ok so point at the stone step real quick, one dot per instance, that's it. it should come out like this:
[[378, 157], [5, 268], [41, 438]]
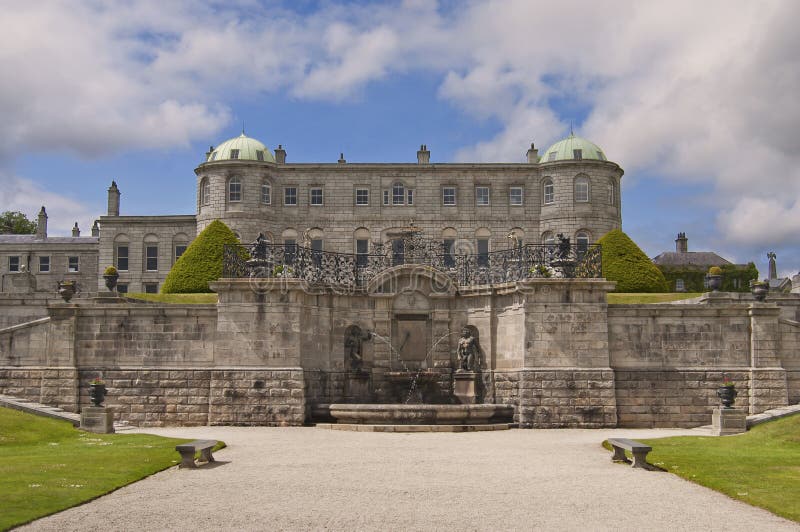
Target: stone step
[[53, 412]]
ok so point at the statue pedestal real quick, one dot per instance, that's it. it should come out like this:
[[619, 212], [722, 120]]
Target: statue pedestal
[[465, 387], [98, 419], [725, 421], [356, 387]]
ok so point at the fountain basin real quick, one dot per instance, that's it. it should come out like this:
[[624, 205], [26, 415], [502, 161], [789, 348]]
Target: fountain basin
[[420, 414]]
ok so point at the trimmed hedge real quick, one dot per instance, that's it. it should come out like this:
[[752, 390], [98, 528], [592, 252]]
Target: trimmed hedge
[[201, 263], [734, 278], [626, 264]]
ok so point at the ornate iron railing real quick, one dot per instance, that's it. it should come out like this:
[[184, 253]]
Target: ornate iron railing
[[324, 268]]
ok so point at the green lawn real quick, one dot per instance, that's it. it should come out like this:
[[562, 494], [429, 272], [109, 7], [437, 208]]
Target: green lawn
[[47, 466], [636, 299], [760, 467], [176, 299]]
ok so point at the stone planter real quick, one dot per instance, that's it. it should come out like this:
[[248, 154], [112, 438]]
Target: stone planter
[[759, 290], [97, 393], [66, 289], [714, 282], [111, 281], [727, 395]]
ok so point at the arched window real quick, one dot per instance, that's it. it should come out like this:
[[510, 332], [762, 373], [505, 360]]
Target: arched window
[[612, 192], [482, 241], [548, 238], [205, 192], [179, 244], [151, 253], [581, 189], [289, 237], [582, 238], [266, 193], [548, 192], [235, 189], [449, 235], [398, 193]]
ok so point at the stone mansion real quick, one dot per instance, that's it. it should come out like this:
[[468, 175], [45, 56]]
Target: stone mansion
[[571, 189]]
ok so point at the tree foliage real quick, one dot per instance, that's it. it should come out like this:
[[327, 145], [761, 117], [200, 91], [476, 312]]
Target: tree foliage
[[735, 278], [625, 263], [16, 223], [201, 263]]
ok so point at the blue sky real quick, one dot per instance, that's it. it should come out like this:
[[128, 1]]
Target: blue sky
[[700, 111]]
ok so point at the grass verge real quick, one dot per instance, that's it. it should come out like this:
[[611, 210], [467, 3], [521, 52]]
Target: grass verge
[[176, 299], [47, 466], [638, 299], [760, 467]]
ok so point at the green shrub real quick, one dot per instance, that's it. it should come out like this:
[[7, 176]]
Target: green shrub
[[626, 264], [735, 278], [201, 263]]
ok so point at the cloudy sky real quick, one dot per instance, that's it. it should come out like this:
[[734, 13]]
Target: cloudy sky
[[697, 101]]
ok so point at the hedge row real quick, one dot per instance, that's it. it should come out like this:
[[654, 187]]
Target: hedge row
[[734, 278]]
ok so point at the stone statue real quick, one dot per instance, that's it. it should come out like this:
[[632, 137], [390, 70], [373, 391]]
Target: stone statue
[[773, 268], [467, 351], [353, 342]]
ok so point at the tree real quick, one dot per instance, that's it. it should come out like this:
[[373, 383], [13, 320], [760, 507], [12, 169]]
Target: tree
[[625, 263], [201, 263], [16, 223]]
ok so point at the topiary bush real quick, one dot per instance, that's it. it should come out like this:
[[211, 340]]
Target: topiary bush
[[626, 264], [201, 263]]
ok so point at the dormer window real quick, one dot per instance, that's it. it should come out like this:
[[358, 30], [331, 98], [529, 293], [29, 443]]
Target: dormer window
[[234, 154], [213, 156], [577, 154], [552, 156], [260, 155], [601, 155]]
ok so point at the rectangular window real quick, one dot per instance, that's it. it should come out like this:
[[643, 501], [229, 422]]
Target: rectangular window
[[234, 154], [259, 155], [515, 195], [151, 258], [44, 264], [290, 196], [449, 196], [316, 196], [482, 195], [552, 156], [122, 258], [410, 195], [122, 288], [72, 264], [483, 252], [577, 154], [398, 194], [386, 197], [362, 250], [316, 251], [289, 247], [266, 194], [179, 249], [150, 288], [13, 264], [449, 252], [235, 190], [362, 196], [582, 191]]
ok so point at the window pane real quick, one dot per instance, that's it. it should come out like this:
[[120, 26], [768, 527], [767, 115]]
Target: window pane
[[72, 265], [122, 258], [398, 194], [316, 196], [410, 196], [235, 190], [266, 194], [13, 264], [449, 196], [362, 196], [482, 195], [259, 155], [549, 192], [151, 288], [234, 154], [205, 190], [290, 196], [577, 154], [515, 195], [122, 288], [483, 252], [612, 193], [552, 156], [44, 264], [449, 249], [151, 258], [289, 246], [179, 249], [362, 249], [582, 190], [386, 197]]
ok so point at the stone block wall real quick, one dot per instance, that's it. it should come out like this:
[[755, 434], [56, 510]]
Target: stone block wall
[[47, 385]]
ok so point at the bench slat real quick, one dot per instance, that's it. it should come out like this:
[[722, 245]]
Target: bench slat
[[630, 445]]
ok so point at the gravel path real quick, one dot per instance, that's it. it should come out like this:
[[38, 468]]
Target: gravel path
[[309, 478]]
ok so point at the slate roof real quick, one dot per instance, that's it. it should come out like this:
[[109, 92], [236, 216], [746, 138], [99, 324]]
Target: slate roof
[[31, 239], [699, 259]]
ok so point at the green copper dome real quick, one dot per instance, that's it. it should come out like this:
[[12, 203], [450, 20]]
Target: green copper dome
[[573, 148], [241, 148]]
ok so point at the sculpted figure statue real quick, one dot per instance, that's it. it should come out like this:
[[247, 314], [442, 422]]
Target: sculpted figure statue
[[467, 351], [353, 343]]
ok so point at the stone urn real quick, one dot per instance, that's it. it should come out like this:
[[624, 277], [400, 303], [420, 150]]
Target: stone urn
[[727, 395], [97, 393], [111, 281], [759, 290], [66, 289], [714, 282]]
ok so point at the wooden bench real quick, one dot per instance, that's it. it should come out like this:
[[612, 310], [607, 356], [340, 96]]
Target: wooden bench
[[638, 450], [187, 451]]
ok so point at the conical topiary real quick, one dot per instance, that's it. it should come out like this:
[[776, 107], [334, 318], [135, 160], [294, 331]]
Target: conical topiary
[[201, 263], [626, 264]]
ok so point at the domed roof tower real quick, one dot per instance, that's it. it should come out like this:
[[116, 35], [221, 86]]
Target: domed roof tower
[[573, 148], [242, 148]]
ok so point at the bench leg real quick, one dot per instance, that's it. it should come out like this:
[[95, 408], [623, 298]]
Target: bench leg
[[187, 459], [206, 456], [640, 459], [619, 455]]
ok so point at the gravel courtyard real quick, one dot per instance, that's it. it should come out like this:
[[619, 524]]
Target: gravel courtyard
[[310, 478]]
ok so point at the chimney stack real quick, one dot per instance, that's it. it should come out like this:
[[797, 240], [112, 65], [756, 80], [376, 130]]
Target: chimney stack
[[341, 158], [423, 155], [41, 226], [280, 155], [681, 243], [533, 155], [76, 232], [95, 229], [113, 199]]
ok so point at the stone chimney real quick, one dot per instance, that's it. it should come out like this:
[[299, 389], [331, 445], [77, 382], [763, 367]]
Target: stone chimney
[[41, 227], [95, 229], [533, 155], [113, 199], [280, 155], [341, 158], [423, 155], [76, 232], [681, 243]]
